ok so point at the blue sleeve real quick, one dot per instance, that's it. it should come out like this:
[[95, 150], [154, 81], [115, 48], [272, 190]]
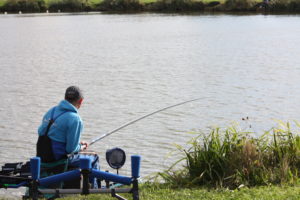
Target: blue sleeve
[[73, 135]]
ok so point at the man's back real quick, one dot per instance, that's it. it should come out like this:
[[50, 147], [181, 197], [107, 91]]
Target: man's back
[[60, 131], [66, 130]]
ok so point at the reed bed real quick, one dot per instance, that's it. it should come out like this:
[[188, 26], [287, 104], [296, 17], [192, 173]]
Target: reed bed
[[233, 158]]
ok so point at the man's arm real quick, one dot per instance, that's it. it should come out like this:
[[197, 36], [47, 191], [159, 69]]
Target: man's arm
[[73, 135]]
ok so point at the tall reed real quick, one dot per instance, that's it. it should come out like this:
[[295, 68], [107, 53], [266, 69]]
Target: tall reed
[[230, 158]]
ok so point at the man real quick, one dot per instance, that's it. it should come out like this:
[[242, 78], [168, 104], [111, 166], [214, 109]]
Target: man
[[60, 132]]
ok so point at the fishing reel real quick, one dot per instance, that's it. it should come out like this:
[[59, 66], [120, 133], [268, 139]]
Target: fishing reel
[[115, 158]]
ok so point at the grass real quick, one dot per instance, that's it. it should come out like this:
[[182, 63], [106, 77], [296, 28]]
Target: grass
[[94, 2], [160, 192], [156, 192], [2, 2], [263, 168], [209, 1], [147, 1], [47, 2], [231, 158]]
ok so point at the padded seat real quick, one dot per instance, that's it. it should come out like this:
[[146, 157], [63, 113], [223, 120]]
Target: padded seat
[[57, 167], [49, 169]]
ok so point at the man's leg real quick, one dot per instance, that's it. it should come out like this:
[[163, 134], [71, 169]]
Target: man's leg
[[74, 161]]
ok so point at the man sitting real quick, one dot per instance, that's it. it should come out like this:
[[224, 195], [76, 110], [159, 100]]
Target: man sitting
[[60, 132]]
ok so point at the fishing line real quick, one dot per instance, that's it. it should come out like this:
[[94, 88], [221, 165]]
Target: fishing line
[[140, 118]]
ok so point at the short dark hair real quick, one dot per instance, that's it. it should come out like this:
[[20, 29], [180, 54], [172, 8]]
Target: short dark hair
[[73, 94]]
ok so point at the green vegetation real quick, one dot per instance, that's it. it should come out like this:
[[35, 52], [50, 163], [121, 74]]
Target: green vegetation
[[160, 192], [94, 3], [23, 5], [120, 5], [231, 158], [230, 164], [67, 6], [273, 6], [2, 2], [177, 5]]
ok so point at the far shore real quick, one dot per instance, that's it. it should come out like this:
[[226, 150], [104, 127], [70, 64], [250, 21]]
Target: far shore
[[153, 6], [203, 13]]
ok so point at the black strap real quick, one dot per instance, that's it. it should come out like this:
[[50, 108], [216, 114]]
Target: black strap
[[44, 144], [52, 119]]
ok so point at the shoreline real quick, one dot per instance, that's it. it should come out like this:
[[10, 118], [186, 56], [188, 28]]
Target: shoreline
[[216, 13], [231, 7]]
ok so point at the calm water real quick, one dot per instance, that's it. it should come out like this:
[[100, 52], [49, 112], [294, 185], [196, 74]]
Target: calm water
[[130, 65]]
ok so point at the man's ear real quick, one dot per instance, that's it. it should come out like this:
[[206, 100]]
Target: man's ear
[[80, 102]]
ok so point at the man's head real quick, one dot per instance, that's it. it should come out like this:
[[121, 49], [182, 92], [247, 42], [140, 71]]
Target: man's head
[[74, 96]]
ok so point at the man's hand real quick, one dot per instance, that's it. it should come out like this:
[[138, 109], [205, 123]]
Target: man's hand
[[84, 145]]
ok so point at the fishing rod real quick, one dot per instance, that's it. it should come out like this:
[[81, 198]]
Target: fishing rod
[[138, 119]]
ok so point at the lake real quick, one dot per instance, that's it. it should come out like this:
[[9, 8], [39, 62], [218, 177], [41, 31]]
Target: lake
[[131, 65]]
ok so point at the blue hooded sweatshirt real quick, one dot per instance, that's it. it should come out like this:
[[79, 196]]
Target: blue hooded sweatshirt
[[65, 131]]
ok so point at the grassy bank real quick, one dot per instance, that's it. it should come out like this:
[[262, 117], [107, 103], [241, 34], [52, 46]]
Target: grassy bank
[[156, 192], [231, 163], [2, 2], [231, 157], [273, 6], [165, 193]]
